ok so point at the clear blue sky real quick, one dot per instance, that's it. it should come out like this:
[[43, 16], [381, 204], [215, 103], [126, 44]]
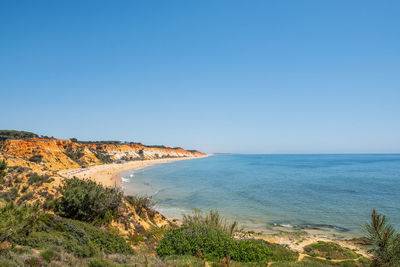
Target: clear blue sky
[[219, 76]]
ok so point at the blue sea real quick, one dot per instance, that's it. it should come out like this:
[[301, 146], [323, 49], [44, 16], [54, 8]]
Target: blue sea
[[310, 191]]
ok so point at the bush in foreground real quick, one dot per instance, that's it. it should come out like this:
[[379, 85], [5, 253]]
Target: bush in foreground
[[88, 201], [214, 243], [27, 226]]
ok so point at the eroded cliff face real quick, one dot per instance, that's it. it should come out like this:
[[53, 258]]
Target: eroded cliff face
[[56, 154]]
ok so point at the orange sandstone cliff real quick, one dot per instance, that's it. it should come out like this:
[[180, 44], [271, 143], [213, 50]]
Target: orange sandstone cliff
[[57, 154]]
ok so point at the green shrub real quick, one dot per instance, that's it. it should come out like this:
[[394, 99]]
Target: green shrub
[[211, 219], [37, 180], [75, 154], [13, 194], [16, 221], [24, 188], [19, 169], [21, 250], [25, 225], [102, 155], [135, 239], [49, 255], [329, 250], [96, 262], [86, 200], [36, 158], [140, 203], [3, 167], [212, 242], [107, 242], [49, 204], [27, 196], [312, 262], [253, 250], [215, 243]]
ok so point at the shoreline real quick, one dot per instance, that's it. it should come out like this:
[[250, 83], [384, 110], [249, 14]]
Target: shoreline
[[110, 174]]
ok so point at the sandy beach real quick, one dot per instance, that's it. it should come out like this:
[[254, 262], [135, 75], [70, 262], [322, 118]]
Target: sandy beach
[[109, 174]]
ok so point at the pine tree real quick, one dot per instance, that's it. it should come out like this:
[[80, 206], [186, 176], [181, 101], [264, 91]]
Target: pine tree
[[385, 241]]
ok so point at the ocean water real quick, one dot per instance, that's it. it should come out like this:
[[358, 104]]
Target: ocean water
[[312, 191]]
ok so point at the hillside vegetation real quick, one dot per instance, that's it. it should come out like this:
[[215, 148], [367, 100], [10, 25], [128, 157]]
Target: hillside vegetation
[[46, 220]]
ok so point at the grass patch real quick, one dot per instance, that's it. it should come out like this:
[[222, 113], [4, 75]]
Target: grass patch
[[210, 219], [330, 250]]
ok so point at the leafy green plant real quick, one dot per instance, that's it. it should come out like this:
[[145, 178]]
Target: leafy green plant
[[24, 188], [140, 203], [36, 158], [135, 239], [96, 262], [102, 155], [86, 200], [48, 255], [37, 180], [329, 250], [75, 154], [3, 167], [211, 219], [13, 194], [26, 226], [16, 221], [214, 243], [253, 250], [385, 241], [25, 197]]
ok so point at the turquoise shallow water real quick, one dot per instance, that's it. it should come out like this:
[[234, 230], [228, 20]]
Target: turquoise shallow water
[[313, 191]]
